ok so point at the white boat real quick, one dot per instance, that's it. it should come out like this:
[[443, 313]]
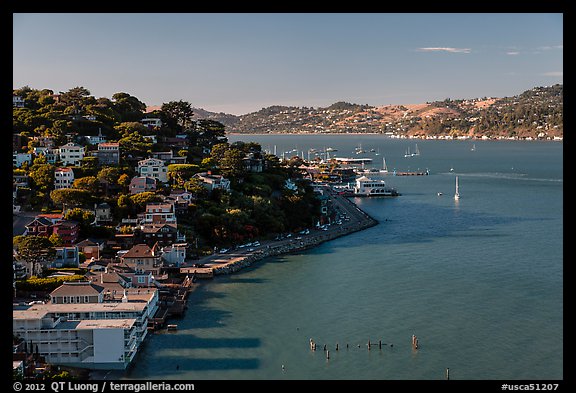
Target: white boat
[[384, 167], [416, 152], [457, 194], [369, 187]]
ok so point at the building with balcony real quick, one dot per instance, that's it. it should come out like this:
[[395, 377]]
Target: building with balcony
[[87, 331]]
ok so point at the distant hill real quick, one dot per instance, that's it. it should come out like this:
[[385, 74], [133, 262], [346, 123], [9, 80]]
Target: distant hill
[[230, 121], [536, 113]]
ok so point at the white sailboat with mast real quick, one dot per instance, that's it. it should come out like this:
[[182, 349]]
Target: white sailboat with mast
[[384, 167], [457, 193]]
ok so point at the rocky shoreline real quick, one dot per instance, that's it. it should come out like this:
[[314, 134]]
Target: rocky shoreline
[[296, 245]]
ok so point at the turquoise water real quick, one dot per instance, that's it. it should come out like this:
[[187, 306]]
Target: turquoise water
[[479, 281]]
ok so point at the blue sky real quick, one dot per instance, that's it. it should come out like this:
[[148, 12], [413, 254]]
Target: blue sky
[[240, 63]]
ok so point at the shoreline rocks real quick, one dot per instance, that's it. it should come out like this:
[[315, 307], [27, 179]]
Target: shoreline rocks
[[294, 246]]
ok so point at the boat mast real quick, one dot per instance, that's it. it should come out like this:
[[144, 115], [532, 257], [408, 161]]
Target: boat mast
[[457, 194]]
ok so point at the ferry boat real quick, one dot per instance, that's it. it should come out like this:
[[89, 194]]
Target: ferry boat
[[369, 187]]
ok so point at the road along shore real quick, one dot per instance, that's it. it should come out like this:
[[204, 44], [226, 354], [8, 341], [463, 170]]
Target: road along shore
[[234, 261]]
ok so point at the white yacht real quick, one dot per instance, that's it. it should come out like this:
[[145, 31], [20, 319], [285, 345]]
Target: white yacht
[[369, 187]]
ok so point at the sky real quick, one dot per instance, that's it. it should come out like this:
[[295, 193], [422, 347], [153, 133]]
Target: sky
[[239, 63]]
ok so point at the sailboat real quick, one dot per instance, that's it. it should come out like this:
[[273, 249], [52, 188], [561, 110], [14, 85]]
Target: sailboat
[[416, 152], [456, 194], [407, 154], [384, 167], [473, 148]]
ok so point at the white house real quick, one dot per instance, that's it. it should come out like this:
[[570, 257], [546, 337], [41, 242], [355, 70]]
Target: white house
[[159, 212], [212, 182], [174, 254], [63, 178], [151, 122], [153, 167], [71, 154], [19, 158]]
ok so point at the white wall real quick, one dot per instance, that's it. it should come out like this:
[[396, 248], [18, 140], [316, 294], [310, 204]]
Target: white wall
[[108, 345]]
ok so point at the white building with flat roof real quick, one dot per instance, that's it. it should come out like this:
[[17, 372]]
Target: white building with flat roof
[[101, 335]]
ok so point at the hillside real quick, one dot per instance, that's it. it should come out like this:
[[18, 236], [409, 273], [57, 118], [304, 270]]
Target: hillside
[[536, 113]]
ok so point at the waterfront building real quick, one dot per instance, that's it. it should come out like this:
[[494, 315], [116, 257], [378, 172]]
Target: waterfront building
[[368, 187], [174, 254], [88, 331], [142, 258]]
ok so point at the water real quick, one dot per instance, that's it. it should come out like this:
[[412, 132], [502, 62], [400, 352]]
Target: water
[[478, 280]]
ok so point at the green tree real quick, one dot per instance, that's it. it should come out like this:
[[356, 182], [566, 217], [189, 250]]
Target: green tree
[[196, 187], [126, 128], [178, 115], [218, 151], [128, 107], [70, 197], [37, 250], [82, 216], [42, 177], [124, 181], [142, 198], [134, 145], [209, 133], [56, 240], [88, 183], [232, 164]]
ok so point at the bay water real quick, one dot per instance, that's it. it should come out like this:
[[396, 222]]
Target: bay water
[[479, 281]]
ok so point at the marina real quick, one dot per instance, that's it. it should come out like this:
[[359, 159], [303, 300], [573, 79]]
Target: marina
[[397, 279]]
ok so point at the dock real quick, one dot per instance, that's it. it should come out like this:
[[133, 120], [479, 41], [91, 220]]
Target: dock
[[417, 173], [172, 301], [198, 272]]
